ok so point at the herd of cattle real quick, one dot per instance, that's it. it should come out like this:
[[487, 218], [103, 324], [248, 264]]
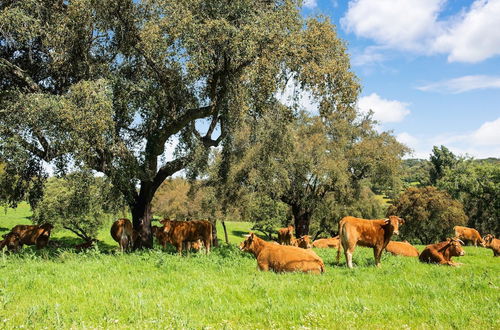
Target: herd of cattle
[[288, 253]]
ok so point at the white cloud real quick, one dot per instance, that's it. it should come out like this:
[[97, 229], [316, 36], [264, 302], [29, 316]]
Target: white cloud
[[310, 3], [462, 84], [385, 111], [488, 134], [472, 35], [370, 55]]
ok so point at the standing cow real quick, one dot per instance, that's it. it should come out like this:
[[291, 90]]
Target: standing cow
[[37, 235], [282, 258], [370, 233], [285, 235], [123, 232], [468, 235], [182, 234], [490, 242], [441, 253]]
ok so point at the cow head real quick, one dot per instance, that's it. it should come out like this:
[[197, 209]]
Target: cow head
[[248, 244], [394, 222], [167, 225], [11, 241], [488, 239], [304, 242], [455, 247]]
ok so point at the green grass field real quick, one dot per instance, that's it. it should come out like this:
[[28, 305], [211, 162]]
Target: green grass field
[[58, 288]]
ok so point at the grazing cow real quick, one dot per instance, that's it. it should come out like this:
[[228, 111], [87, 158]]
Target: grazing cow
[[182, 233], [38, 235], [282, 258], [86, 245], [402, 249], [370, 233], [12, 241], [303, 242], [123, 232], [324, 243], [285, 235], [160, 235], [441, 253], [493, 243], [468, 235]]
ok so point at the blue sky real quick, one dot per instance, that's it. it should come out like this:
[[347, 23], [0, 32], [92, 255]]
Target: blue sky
[[430, 69]]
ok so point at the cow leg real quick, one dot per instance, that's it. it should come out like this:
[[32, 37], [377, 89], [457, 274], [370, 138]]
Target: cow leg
[[377, 254], [179, 248], [188, 248], [263, 266], [207, 246]]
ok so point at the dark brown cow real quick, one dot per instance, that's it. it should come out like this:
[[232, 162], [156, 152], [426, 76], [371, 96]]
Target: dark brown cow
[[402, 249], [11, 241], [325, 243], [182, 233], [86, 245], [123, 232], [492, 243], [38, 235], [303, 242], [441, 253], [160, 235], [369, 233], [285, 235], [468, 235], [282, 258]]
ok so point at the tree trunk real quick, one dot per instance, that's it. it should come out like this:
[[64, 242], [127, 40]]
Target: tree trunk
[[215, 240], [141, 219], [225, 232], [302, 220]]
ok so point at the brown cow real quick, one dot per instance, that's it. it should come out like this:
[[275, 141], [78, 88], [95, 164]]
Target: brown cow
[[370, 233], [285, 235], [160, 235], [12, 241], [123, 232], [182, 233], [468, 235], [38, 235], [401, 249], [282, 258], [441, 253], [303, 242], [493, 243], [324, 243]]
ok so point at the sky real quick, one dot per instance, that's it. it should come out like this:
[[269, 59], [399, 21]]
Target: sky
[[429, 69]]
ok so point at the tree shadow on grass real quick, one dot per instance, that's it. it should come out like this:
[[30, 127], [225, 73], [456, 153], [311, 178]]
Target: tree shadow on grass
[[239, 233]]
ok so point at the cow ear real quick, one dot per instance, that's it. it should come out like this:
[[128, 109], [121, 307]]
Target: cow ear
[[401, 221], [386, 221]]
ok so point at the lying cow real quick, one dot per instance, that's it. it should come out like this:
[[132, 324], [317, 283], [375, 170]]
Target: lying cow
[[492, 243], [282, 258], [468, 235], [38, 235], [123, 232], [325, 243], [441, 253], [285, 235], [402, 249], [181, 234], [303, 242], [11, 241], [86, 245], [369, 233]]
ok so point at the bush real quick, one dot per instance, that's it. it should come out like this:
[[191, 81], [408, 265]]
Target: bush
[[430, 214]]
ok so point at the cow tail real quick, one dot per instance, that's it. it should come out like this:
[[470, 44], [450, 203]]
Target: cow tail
[[210, 237], [124, 241], [340, 242]]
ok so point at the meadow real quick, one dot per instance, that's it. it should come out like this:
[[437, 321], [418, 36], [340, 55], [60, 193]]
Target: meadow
[[102, 288]]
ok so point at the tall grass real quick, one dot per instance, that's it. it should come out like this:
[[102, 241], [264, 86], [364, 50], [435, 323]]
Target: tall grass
[[58, 288]]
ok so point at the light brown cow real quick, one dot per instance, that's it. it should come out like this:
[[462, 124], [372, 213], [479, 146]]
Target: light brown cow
[[303, 242], [441, 253], [401, 249], [492, 243], [123, 232], [282, 258], [468, 235], [324, 243], [38, 235], [370, 233], [285, 235], [182, 233], [11, 241]]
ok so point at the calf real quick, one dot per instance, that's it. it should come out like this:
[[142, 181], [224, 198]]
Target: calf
[[369, 233], [182, 233], [324, 243], [11, 241], [492, 243], [468, 235], [441, 253], [303, 242], [282, 258], [401, 249], [285, 235], [123, 232], [38, 235]]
